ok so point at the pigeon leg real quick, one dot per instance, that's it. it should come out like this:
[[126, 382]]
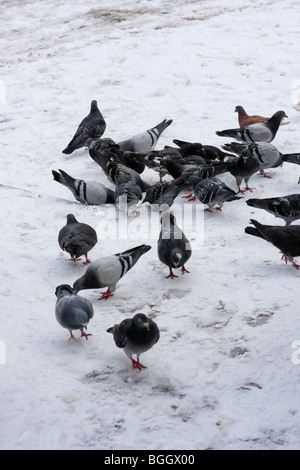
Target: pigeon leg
[[183, 270], [71, 335], [74, 259], [284, 257], [297, 266], [85, 335], [87, 261], [106, 295], [171, 275], [137, 364], [265, 175], [219, 208]]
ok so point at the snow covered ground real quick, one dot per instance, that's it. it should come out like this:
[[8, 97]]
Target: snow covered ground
[[225, 372]]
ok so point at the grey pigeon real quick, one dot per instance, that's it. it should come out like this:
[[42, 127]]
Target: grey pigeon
[[259, 132], [145, 141], [135, 336], [72, 311], [173, 247], [285, 238], [77, 239], [92, 126], [88, 192], [212, 191], [266, 153], [128, 195], [284, 207], [165, 193], [107, 271]]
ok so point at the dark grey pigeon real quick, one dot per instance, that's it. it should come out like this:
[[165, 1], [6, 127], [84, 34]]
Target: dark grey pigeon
[[165, 193], [284, 207], [135, 336], [173, 247], [92, 126], [259, 132], [145, 141], [107, 271], [106, 150], [212, 191], [243, 167], [118, 174], [72, 311], [77, 239], [128, 195], [209, 152], [285, 238], [87, 192]]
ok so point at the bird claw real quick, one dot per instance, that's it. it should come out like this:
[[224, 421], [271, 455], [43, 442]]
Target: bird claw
[[183, 270], [137, 364], [106, 295], [85, 335]]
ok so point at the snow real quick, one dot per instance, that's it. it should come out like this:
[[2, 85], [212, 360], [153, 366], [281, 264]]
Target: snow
[[224, 374]]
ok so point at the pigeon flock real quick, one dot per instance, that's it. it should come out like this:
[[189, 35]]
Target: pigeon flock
[[189, 166]]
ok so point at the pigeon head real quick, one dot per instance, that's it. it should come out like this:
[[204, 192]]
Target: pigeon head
[[94, 105], [87, 281], [239, 109], [71, 219], [141, 321], [63, 289]]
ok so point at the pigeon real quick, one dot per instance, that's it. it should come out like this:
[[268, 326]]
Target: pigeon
[[285, 238], [266, 153], [77, 239], [72, 311], [173, 247], [212, 191], [118, 173], [92, 126], [203, 170], [135, 336], [260, 132], [242, 168], [284, 207], [246, 120], [145, 141], [88, 192], [104, 150], [209, 152], [128, 195], [164, 194], [107, 271]]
